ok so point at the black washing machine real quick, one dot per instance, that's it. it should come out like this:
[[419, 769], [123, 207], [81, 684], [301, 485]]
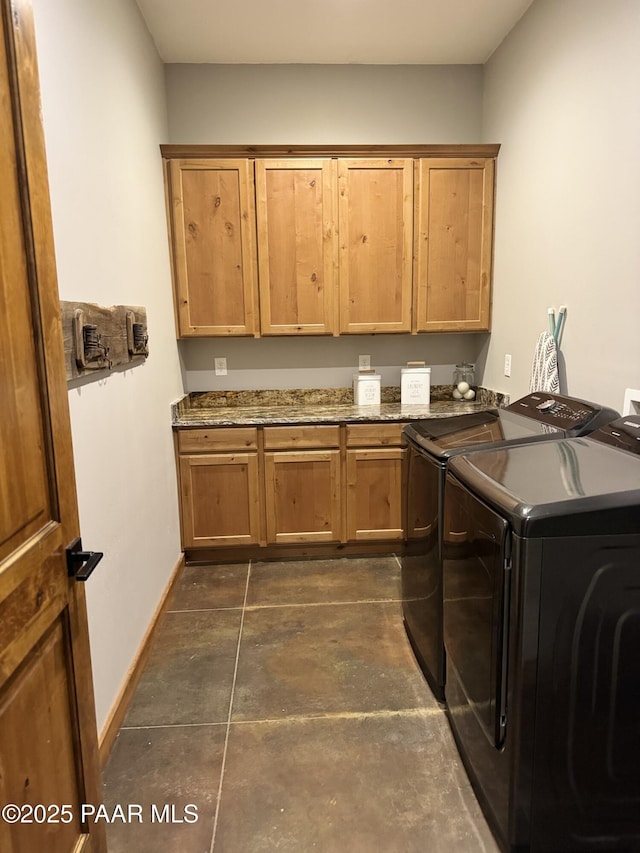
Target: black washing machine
[[541, 556], [431, 444]]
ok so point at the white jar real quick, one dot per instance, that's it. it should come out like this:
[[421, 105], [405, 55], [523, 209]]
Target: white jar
[[415, 386], [366, 389]]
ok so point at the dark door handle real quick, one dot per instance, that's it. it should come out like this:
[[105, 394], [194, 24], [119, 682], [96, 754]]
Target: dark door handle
[[80, 564]]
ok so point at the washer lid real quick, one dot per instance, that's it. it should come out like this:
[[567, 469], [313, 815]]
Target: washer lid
[[455, 434], [566, 487]]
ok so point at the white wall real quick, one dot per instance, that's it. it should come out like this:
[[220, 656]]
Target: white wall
[[324, 105], [104, 114], [561, 96]]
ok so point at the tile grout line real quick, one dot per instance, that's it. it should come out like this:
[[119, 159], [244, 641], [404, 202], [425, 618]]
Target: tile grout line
[[233, 688], [205, 609]]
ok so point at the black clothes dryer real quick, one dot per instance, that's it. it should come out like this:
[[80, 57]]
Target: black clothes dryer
[[542, 634], [431, 444]]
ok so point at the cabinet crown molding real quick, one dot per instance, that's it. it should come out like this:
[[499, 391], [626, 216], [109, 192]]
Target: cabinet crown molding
[[173, 151]]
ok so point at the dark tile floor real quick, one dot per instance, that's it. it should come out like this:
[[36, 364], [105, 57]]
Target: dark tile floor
[[283, 702]]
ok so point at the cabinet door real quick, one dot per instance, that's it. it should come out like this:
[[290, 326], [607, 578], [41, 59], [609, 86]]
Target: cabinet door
[[213, 246], [220, 499], [374, 494], [375, 202], [297, 246], [303, 496], [454, 237]]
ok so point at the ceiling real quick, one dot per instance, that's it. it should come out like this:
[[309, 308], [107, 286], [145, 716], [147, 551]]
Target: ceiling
[[377, 32]]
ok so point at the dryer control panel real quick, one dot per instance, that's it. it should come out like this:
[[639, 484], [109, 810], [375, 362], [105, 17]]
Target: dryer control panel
[[566, 414], [623, 433]]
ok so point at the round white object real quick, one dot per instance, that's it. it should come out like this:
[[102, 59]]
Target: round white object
[[470, 394], [456, 394], [463, 387]]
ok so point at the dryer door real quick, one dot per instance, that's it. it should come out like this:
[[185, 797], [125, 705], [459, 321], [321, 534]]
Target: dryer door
[[476, 605]]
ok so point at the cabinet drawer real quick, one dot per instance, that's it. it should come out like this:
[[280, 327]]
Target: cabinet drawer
[[217, 438], [290, 437], [375, 435]]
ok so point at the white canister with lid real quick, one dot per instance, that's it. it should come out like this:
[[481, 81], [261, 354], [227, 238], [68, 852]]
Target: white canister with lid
[[366, 389], [415, 384]]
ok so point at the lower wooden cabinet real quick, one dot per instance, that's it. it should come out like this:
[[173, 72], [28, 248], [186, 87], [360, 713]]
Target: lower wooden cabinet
[[375, 476], [374, 494], [302, 483], [302, 496], [219, 478], [220, 499], [298, 485]]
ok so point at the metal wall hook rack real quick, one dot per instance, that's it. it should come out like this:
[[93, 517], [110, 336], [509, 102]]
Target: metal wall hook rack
[[97, 338], [90, 352], [137, 336]]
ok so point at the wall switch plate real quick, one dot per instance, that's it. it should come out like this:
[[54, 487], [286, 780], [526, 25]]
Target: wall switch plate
[[220, 366], [507, 364], [364, 362]]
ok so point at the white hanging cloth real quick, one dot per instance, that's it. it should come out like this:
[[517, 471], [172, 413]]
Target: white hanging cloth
[[544, 370]]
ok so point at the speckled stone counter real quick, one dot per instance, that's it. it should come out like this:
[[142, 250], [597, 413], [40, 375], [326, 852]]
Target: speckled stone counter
[[316, 406]]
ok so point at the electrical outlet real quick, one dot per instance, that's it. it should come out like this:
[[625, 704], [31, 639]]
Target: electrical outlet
[[507, 364], [364, 362], [220, 366]]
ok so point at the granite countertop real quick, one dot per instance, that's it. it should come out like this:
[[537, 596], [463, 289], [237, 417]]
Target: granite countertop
[[316, 406]]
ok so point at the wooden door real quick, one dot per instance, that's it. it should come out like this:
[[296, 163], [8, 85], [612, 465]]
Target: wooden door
[[220, 499], [374, 493], [212, 239], [297, 246], [454, 239], [303, 496], [48, 742], [375, 202]]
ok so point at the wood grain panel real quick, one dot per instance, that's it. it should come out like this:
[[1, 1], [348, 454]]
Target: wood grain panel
[[220, 499], [24, 493], [44, 750], [374, 494], [297, 244], [303, 496], [454, 215], [374, 435], [376, 232], [172, 151], [217, 439], [213, 234], [293, 437]]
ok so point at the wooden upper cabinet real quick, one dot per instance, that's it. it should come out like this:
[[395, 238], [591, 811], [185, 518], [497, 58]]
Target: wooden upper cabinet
[[212, 229], [375, 210], [454, 236], [297, 246], [273, 240]]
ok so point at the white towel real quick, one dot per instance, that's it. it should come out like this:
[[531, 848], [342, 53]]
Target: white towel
[[544, 370]]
